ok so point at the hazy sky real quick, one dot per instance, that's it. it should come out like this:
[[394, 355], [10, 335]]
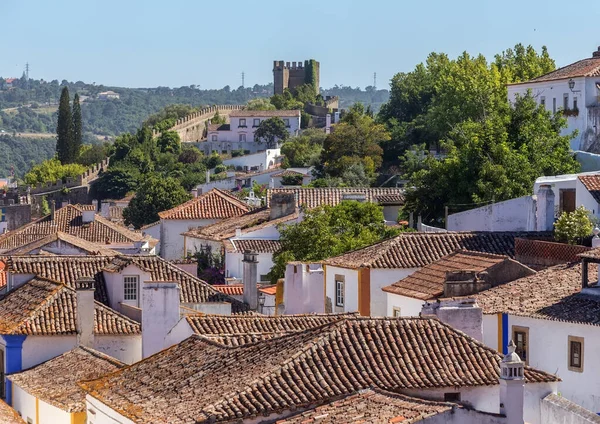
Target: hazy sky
[[209, 43]]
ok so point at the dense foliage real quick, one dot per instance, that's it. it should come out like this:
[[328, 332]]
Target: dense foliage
[[19, 154], [271, 132], [328, 231], [304, 149], [52, 170], [64, 129], [573, 227]]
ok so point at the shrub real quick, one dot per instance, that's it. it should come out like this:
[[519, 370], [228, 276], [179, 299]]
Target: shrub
[[572, 227]]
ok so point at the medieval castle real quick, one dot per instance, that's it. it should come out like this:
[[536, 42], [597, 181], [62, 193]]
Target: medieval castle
[[290, 77]]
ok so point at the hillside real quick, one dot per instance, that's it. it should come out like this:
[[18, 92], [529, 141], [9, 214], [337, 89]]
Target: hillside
[[21, 153]]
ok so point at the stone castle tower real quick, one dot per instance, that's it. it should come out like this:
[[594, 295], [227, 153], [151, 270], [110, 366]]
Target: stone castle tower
[[286, 75]]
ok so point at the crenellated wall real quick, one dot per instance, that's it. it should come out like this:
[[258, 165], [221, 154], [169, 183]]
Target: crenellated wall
[[191, 128], [84, 179]]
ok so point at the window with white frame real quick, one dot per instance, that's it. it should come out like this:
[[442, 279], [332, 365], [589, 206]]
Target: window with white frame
[[130, 288], [214, 137], [339, 290], [256, 123], [242, 122], [242, 137]]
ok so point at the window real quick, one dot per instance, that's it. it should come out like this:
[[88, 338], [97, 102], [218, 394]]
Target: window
[[339, 290], [256, 123], [242, 122], [575, 354], [452, 397], [521, 339], [543, 101], [566, 101], [554, 105], [396, 312], [214, 137], [242, 137], [575, 103], [286, 122], [130, 288], [264, 278]]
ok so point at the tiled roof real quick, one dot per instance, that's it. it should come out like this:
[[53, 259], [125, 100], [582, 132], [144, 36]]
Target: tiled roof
[[251, 221], [219, 127], [9, 415], [289, 173], [312, 197], [390, 199], [269, 290], [230, 289], [2, 274], [538, 254], [115, 213], [590, 254], [552, 294], [67, 269], [589, 67], [428, 282], [244, 113], [592, 182], [55, 381], [87, 246], [42, 307], [415, 250], [202, 381], [371, 406], [258, 245], [69, 220], [215, 204]]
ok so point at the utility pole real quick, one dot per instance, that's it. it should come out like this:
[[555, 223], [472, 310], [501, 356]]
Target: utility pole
[[243, 79], [27, 75], [375, 81]]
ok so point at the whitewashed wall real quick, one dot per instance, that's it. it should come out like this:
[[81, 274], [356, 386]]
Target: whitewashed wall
[[379, 279], [262, 160], [23, 403], [127, 349], [171, 239], [303, 291], [178, 333], [114, 284], [234, 267], [154, 232], [409, 307], [38, 349], [351, 288], [99, 413], [511, 215], [584, 198]]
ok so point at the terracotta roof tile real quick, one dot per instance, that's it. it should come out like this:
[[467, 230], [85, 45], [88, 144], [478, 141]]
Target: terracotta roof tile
[[269, 290], [592, 182], [428, 282], [55, 381], [415, 250], [9, 415], [219, 127], [289, 173], [539, 254], [202, 381], [44, 307], [590, 254], [230, 289], [258, 245], [313, 197], [215, 204], [552, 294], [67, 269], [87, 246], [589, 67], [244, 113], [251, 221], [371, 406], [69, 220]]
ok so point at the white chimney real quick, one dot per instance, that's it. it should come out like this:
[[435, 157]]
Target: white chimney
[[84, 289], [95, 204], [88, 216], [328, 123], [52, 209], [160, 313], [250, 278], [194, 192], [64, 203], [596, 239], [238, 232], [545, 208], [463, 314], [105, 209], [208, 175], [512, 386]]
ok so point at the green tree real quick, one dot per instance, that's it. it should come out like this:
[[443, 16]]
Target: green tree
[[218, 119], [92, 154], [154, 195], [271, 131], [44, 207], [329, 231], [260, 104], [64, 129], [169, 142], [573, 227], [117, 182], [52, 170], [304, 149], [77, 140]]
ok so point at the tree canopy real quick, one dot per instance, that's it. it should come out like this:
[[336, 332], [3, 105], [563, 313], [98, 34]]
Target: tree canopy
[[271, 131], [64, 129]]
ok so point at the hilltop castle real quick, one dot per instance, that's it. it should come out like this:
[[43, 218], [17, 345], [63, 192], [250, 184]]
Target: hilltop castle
[[286, 76]]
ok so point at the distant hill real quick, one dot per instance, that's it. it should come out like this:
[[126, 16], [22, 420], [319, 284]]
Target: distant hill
[[22, 153]]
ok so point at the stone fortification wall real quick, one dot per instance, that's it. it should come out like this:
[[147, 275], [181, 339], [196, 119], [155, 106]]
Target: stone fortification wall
[[84, 179]]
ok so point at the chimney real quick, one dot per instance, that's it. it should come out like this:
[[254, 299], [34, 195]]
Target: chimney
[[95, 204], [596, 239], [105, 209], [160, 313], [250, 278], [463, 314], [238, 232], [52, 209], [282, 204], [64, 203], [512, 386], [463, 283], [208, 175], [596, 53], [194, 192], [545, 208], [328, 123], [84, 288], [88, 216]]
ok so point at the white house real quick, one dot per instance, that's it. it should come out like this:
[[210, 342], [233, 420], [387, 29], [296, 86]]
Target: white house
[[574, 91], [354, 281], [206, 209], [239, 133], [458, 274], [49, 392], [261, 161], [554, 323], [302, 177], [108, 95], [220, 379]]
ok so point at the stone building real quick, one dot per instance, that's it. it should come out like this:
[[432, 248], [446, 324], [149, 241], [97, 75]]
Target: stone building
[[290, 76]]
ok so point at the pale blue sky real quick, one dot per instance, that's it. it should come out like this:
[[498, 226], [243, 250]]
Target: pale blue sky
[[209, 43]]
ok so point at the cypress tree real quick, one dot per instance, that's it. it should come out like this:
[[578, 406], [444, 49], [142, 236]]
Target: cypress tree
[[77, 130], [64, 128]]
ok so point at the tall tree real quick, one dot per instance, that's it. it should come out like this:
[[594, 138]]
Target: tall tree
[[64, 129], [77, 129], [271, 131]]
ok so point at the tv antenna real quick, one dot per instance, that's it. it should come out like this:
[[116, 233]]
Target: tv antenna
[[243, 75]]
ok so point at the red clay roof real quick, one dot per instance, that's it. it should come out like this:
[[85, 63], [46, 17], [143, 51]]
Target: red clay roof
[[589, 67], [428, 282], [538, 254], [87, 246], [230, 289], [202, 381], [258, 245], [310, 197], [244, 113], [9, 415], [592, 183], [215, 204], [270, 290]]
